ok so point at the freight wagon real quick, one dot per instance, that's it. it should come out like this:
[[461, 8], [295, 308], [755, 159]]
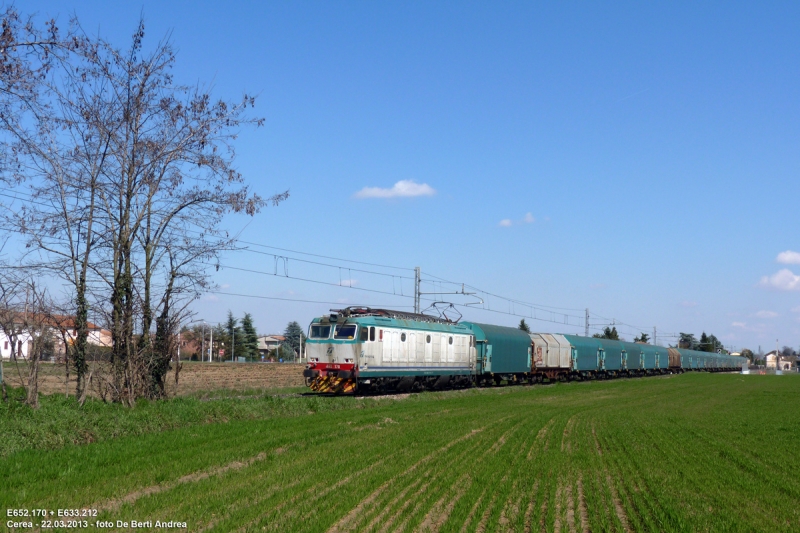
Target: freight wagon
[[376, 349]]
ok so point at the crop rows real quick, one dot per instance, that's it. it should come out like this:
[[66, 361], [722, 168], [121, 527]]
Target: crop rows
[[680, 453]]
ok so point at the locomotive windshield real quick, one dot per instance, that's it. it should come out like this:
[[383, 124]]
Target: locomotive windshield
[[320, 332], [345, 331]]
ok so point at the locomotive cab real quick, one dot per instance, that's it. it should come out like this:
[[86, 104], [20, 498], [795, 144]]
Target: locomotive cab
[[332, 348]]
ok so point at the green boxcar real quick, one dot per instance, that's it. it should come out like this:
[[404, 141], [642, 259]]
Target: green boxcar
[[586, 353], [501, 350]]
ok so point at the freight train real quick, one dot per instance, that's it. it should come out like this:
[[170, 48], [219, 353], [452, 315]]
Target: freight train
[[363, 349]]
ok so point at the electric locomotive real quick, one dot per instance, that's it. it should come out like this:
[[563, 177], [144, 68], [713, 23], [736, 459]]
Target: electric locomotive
[[378, 349]]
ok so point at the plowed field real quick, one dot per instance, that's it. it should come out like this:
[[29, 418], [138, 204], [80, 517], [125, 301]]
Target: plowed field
[[681, 453], [194, 377]]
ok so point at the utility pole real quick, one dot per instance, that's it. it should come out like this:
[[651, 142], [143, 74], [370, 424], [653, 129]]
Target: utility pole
[[586, 328], [210, 343], [203, 343], [416, 289], [654, 335], [233, 344], [300, 351]]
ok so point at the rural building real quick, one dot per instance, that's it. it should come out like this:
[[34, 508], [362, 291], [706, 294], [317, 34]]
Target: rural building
[[61, 327], [777, 361], [268, 343]]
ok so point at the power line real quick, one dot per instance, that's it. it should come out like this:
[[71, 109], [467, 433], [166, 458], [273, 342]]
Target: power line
[[310, 280], [519, 302], [324, 256], [329, 265], [260, 297]]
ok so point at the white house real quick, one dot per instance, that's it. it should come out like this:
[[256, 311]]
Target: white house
[[61, 327], [775, 360]]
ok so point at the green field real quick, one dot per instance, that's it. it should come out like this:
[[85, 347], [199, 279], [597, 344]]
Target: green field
[[695, 452]]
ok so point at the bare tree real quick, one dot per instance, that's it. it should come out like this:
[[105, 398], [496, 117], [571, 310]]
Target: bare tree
[[130, 176], [169, 181], [54, 147], [26, 320]]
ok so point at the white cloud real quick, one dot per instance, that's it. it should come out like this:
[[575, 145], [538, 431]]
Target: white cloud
[[225, 286], [688, 303], [788, 258], [349, 282], [210, 298], [782, 280], [527, 219], [739, 325], [796, 309], [766, 314], [403, 188]]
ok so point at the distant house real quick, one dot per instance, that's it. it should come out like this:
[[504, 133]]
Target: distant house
[[777, 361], [62, 328], [268, 343]]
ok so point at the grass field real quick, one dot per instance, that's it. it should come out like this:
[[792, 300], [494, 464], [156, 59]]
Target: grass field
[[695, 452]]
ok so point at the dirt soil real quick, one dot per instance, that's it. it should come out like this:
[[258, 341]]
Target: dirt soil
[[194, 377]]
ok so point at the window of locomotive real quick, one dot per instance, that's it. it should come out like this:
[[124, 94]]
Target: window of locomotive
[[345, 331], [403, 337], [451, 340], [364, 334], [319, 331], [428, 339], [372, 333]]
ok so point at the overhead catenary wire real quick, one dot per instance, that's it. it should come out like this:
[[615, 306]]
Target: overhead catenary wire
[[513, 304], [287, 276], [262, 297]]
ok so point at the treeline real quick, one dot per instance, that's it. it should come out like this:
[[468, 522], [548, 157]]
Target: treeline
[[239, 338], [706, 343], [118, 179]]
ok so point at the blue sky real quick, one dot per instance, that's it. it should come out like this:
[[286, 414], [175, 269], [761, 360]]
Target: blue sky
[[637, 159]]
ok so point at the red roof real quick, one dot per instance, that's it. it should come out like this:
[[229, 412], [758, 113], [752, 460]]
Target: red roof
[[55, 321]]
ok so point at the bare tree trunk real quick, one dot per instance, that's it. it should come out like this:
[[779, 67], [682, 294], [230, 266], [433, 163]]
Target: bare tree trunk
[[66, 374], [82, 398], [81, 334], [3, 381], [178, 368], [33, 375]]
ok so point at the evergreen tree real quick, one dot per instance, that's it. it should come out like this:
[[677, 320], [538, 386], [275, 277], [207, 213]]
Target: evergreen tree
[[236, 339], [294, 337], [643, 338], [222, 341], [705, 344], [716, 345], [249, 337], [608, 333], [524, 326]]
